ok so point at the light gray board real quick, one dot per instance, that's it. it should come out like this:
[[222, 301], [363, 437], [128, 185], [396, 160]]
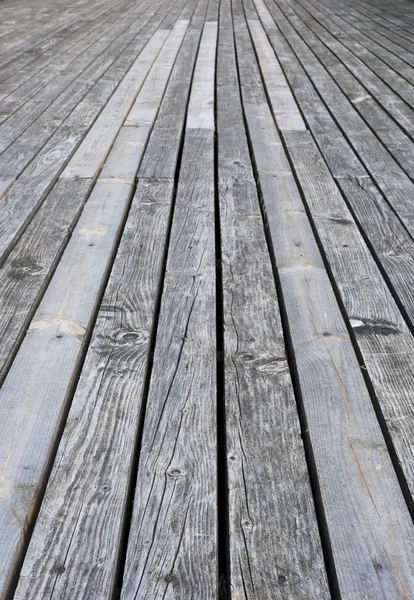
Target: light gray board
[[366, 49], [387, 235], [27, 87], [26, 273], [80, 522], [275, 549], [172, 546], [119, 345], [378, 79], [385, 342], [161, 157], [397, 186], [25, 197], [88, 159], [372, 98], [46, 367], [336, 402]]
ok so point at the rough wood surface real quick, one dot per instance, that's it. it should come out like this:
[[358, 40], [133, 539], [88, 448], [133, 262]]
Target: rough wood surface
[[76, 541], [328, 368], [44, 368], [206, 299], [25, 197], [272, 522], [385, 342], [172, 548], [125, 318]]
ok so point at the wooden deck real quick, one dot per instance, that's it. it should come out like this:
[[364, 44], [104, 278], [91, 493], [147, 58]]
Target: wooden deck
[[206, 299]]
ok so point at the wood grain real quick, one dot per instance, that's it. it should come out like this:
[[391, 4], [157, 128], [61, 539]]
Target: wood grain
[[172, 547], [106, 404], [273, 528]]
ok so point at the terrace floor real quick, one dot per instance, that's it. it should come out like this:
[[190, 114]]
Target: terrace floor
[[206, 299]]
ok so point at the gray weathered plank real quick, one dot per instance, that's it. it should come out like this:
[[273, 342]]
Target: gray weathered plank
[[275, 550], [26, 273], [90, 525], [44, 367], [91, 154], [363, 522], [385, 342], [25, 197], [172, 547]]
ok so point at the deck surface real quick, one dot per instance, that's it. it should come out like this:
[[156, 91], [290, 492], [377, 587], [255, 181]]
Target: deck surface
[[206, 299]]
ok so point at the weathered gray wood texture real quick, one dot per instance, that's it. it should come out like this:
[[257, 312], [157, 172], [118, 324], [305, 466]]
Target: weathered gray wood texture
[[150, 199], [172, 548], [126, 156], [275, 550]]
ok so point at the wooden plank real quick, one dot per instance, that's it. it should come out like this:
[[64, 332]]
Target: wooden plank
[[49, 357], [173, 537], [366, 515], [125, 154], [79, 527], [386, 173], [104, 410], [385, 342], [286, 108], [48, 104], [275, 551], [160, 159], [387, 236], [91, 154], [26, 273], [326, 46], [25, 197], [366, 49], [19, 84]]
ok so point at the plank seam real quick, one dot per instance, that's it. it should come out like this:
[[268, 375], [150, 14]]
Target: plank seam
[[290, 354], [138, 440], [345, 135], [222, 472]]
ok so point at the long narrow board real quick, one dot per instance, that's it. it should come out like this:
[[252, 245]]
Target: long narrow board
[[172, 548], [275, 550], [26, 272], [83, 511], [386, 343], [49, 357], [285, 107], [24, 198], [91, 154], [16, 89], [372, 78], [384, 339], [392, 243], [387, 115], [48, 104], [389, 177], [370, 530], [388, 66]]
